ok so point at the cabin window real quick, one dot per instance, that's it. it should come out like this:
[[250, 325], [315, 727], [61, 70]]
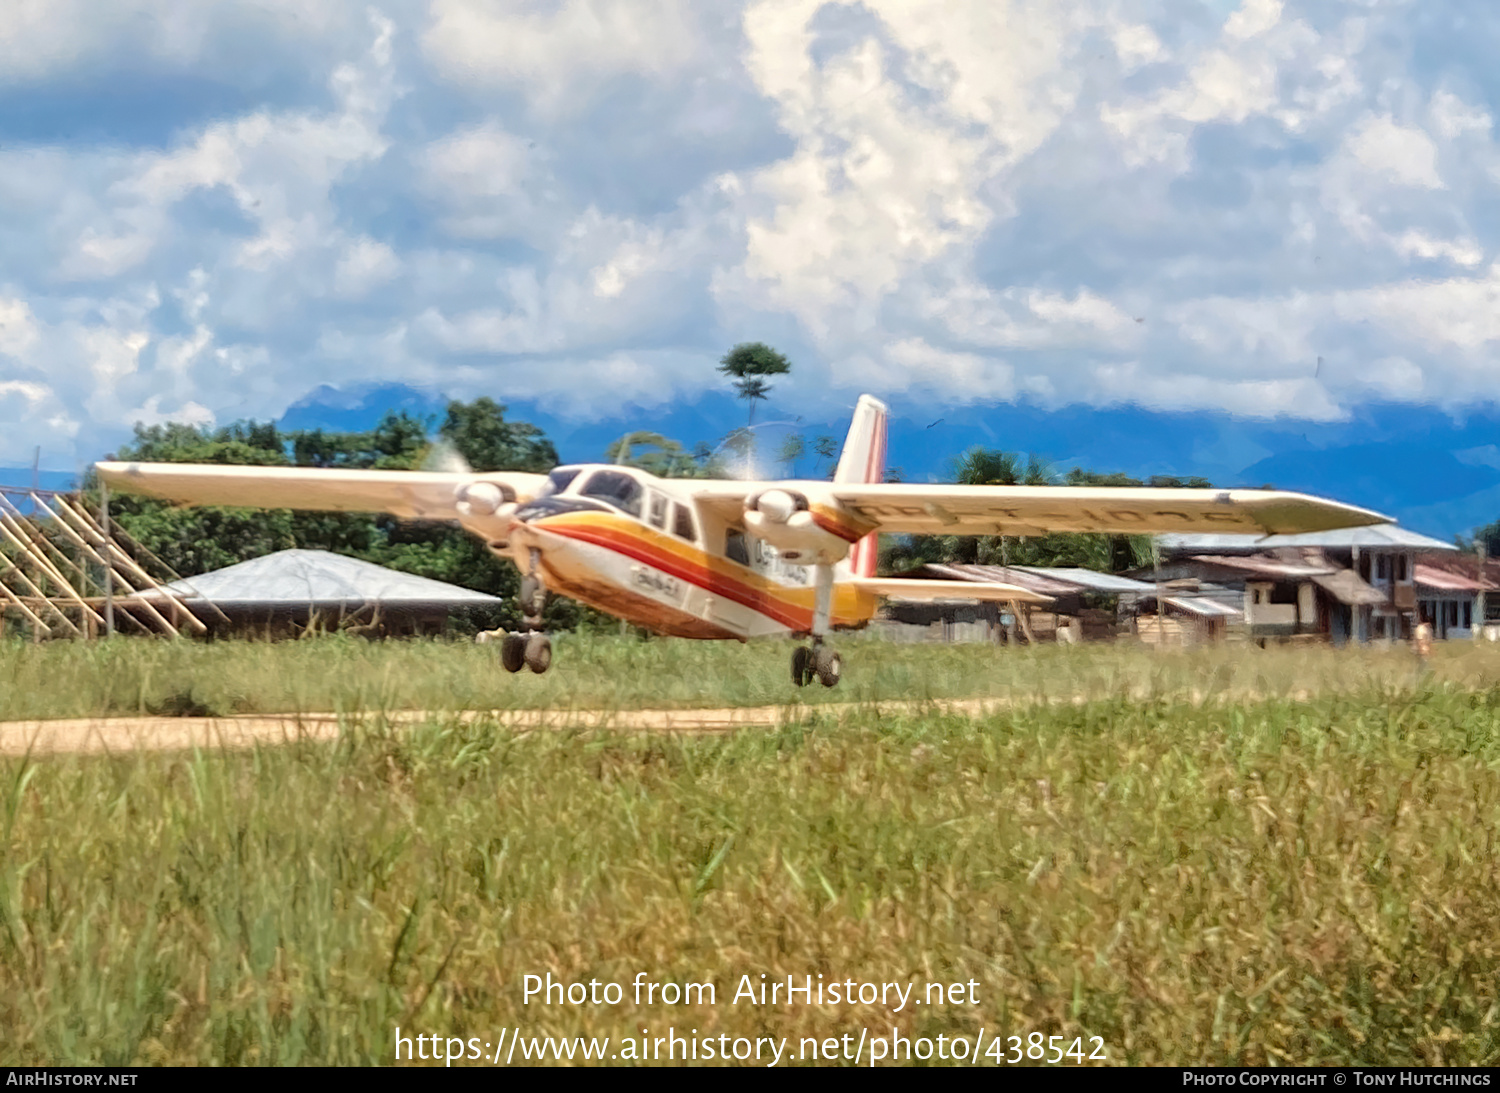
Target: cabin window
[[1403, 574], [1283, 593], [1382, 567], [1468, 615], [658, 510], [614, 488], [683, 525], [734, 546]]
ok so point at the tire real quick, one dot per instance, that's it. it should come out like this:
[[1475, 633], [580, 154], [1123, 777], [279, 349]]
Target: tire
[[828, 665], [538, 653], [513, 652], [802, 670]]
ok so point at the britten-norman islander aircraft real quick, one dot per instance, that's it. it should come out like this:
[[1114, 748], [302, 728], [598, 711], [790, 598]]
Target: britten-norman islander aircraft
[[698, 558]]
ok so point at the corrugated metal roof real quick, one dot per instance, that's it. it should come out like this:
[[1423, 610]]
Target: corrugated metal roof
[[1086, 578], [1375, 536], [1203, 606], [1346, 587], [1270, 568], [299, 578], [1440, 580]]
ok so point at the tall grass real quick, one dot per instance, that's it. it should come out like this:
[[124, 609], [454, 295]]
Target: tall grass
[[342, 674], [1265, 882]]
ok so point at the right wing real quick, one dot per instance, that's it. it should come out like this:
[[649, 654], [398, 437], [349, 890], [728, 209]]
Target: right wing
[[427, 495]]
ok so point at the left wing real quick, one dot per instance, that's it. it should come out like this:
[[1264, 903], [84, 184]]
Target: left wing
[[409, 494], [852, 510]]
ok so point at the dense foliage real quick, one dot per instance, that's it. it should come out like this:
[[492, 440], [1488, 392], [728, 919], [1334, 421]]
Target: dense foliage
[[199, 539]]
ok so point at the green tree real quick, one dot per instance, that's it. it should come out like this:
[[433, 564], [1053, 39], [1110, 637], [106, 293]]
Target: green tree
[[1489, 536], [826, 447], [197, 539], [750, 363], [653, 452], [792, 449], [480, 433]]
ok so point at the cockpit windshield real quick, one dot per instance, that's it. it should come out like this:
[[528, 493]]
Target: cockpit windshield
[[558, 480], [614, 488]]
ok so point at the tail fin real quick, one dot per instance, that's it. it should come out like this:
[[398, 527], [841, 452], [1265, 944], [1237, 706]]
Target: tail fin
[[863, 460]]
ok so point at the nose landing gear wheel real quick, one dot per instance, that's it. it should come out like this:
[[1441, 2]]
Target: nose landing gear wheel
[[827, 665], [538, 653], [513, 652], [802, 666]]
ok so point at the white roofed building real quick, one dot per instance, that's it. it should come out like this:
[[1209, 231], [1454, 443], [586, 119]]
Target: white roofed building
[[290, 590]]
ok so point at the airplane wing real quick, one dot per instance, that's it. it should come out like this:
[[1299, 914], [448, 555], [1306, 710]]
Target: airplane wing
[[906, 508], [408, 494], [926, 591]]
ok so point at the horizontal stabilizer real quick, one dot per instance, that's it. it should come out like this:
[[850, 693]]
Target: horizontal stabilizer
[[920, 591]]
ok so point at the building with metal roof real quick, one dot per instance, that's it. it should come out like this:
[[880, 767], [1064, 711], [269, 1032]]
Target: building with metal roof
[[291, 588], [1089, 579]]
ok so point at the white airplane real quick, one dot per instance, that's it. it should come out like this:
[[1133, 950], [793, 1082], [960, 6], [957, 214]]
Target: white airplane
[[728, 559]]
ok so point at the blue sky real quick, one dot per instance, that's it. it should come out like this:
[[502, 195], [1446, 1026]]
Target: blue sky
[[1252, 223]]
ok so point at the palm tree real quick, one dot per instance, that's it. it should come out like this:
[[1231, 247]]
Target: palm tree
[[749, 363]]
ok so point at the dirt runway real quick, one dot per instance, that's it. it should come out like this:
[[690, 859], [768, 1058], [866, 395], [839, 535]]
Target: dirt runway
[[121, 734]]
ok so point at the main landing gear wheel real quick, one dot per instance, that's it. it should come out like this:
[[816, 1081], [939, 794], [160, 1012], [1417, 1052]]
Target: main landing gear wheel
[[538, 653], [802, 669], [828, 665], [820, 663], [513, 652]]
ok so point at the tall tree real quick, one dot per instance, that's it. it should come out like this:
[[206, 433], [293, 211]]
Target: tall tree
[[750, 363], [655, 453], [792, 449], [488, 442]]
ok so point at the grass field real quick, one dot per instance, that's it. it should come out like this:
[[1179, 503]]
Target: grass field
[[1260, 880], [339, 674]]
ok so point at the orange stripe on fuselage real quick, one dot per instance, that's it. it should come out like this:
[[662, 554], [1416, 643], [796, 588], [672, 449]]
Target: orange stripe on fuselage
[[788, 605]]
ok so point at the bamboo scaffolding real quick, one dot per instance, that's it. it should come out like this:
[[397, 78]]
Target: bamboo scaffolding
[[17, 602], [76, 540], [93, 531], [14, 530], [137, 547], [36, 592], [90, 552]]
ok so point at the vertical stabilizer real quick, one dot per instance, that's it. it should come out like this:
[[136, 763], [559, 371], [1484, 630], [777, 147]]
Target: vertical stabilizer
[[863, 460]]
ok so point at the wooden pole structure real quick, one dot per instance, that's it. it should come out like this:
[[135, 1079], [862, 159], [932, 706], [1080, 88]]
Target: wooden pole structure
[[120, 535], [13, 530], [98, 533], [1161, 607], [109, 573], [86, 549], [31, 586], [1481, 605], [18, 603]]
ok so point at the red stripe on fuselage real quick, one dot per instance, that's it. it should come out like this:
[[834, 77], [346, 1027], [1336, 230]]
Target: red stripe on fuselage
[[789, 615]]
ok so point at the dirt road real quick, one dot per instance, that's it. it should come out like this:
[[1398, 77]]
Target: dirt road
[[117, 734]]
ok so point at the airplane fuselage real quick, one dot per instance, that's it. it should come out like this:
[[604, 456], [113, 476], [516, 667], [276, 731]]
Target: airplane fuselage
[[639, 548]]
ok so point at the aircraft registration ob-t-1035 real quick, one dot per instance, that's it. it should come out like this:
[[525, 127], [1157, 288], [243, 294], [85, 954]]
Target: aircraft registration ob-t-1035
[[697, 558]]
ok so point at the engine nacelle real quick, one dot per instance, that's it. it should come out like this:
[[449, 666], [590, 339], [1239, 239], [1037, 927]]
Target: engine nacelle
[[485, 508], [785, 520]]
